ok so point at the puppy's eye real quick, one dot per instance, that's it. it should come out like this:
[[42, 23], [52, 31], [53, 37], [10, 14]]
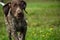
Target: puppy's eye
[[15, 5], [23, 5]]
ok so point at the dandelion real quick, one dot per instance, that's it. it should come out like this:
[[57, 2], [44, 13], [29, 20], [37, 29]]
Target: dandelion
[[43, 35], [51, 29], [34, 34], [47, 34], [40, 31]]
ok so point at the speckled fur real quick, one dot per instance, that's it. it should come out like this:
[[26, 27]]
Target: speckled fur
[[15, 27]]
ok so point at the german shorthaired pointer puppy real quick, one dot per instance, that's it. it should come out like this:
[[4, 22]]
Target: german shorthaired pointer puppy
[[15, 19]]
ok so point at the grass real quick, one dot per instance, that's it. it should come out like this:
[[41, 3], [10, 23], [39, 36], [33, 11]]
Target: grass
[[43, 21]]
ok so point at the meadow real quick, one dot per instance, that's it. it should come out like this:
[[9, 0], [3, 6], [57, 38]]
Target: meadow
[[43, 20]]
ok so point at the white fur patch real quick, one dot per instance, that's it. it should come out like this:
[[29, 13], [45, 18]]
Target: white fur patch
[[2, 3]]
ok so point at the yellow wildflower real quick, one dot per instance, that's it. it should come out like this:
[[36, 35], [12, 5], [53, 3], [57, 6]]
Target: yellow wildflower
[[43, 35], [51, 29]]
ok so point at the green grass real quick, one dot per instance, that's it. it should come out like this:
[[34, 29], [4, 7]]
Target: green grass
[[43, 21]]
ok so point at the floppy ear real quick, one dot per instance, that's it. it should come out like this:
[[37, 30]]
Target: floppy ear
[[6, 8], [23, 5]]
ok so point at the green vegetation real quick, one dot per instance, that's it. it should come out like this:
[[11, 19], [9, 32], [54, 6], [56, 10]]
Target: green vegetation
[[43, 21]]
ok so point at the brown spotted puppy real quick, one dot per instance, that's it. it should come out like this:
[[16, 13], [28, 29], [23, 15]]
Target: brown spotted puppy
[[15, 19]]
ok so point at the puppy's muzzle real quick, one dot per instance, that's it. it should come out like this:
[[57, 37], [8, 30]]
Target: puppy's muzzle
[[20, 15]]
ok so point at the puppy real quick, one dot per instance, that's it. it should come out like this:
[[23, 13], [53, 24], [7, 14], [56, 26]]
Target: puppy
[[15, 19]]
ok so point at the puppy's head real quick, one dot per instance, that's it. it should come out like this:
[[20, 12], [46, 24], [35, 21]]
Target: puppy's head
[[16, 8]]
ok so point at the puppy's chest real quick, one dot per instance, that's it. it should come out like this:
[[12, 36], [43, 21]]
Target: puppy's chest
[[18, 24]]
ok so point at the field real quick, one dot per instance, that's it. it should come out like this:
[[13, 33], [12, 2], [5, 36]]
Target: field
[[43, 20]]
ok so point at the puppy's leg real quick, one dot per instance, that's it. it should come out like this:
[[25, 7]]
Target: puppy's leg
[[9, 32], [15, 36], [14, 32], [22, 35], [24, 30], [9, 35]]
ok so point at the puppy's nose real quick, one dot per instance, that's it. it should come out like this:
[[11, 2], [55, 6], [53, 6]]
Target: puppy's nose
[[20, 14]]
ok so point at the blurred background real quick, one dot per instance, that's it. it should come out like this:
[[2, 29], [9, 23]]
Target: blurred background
[[43, 20]]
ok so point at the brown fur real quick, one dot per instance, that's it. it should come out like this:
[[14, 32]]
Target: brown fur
[[15, 19]]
